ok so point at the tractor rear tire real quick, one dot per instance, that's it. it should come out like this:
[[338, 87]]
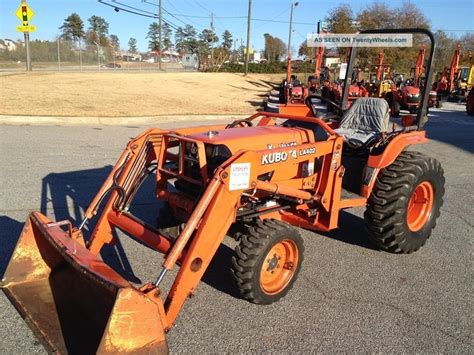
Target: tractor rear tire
[[405, 203], [267, 261]]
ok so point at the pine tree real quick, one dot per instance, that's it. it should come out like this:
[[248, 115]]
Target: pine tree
[[115, 42], [227, 40], [153, 36], [98, 30], [166, 33], [72, 28], [132, 45]]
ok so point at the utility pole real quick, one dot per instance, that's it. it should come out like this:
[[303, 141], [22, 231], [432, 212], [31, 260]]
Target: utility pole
[[247, 54], [160, 22], [212, 39]]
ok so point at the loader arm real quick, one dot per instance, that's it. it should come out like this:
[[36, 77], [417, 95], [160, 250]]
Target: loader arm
[[306, 177], [454, 67], [380, 66], [318, 60], [419, 65]]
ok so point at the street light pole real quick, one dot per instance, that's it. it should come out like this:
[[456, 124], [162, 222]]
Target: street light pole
[[288, 71], [293, 5]]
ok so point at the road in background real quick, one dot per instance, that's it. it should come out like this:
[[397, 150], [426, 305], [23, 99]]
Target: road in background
[[349, 296]]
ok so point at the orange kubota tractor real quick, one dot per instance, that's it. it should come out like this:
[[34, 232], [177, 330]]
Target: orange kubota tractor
[[291, 92], [315, 80], [254, 179], [445, 84], [382, 84], [410, 93]]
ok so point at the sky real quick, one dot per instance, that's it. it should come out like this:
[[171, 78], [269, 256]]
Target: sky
[[454, 16]]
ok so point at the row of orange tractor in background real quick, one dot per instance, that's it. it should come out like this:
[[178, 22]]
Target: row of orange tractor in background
[[453, 83]]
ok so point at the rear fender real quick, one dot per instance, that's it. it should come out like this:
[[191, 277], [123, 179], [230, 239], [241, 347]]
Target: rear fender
[[387, 156]]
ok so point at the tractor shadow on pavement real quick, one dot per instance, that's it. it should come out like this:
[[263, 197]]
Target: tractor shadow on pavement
[[352, 231], [10, 230], [67, 195]]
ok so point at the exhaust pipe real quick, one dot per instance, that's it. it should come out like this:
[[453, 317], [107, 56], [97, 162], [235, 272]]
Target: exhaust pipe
[[73, 301]]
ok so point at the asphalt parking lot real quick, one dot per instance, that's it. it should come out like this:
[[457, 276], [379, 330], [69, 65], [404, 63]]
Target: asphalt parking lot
[[349, 296]]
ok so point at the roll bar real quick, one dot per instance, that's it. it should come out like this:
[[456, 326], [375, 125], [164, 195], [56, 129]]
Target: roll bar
[[429, 69]]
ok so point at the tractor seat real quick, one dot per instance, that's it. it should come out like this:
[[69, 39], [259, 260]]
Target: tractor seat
[[363, 121], [296, 82]]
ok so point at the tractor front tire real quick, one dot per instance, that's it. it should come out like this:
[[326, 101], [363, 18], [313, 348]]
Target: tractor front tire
[[267, 261], [405, 203]]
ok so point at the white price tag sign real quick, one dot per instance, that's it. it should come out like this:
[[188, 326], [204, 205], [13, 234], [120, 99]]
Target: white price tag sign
[[239, 176]]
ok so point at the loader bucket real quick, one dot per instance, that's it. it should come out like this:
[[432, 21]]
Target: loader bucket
[[73, 301]]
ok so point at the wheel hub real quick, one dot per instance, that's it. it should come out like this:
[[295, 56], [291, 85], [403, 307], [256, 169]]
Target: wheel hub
[[278, 266], [273, 262], [420, 206]]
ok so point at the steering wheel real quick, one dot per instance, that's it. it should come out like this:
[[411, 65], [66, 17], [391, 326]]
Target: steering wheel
[[313, 109], [240, 123]]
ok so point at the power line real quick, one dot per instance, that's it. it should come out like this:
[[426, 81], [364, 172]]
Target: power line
[[169, 13], [142, 13], [201, 6], [138, 9], [125, 10], [274, 17], [181, 15], [133, 8], [279, 21]]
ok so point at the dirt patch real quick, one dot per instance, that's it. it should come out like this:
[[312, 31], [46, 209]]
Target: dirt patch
[[132, 94]]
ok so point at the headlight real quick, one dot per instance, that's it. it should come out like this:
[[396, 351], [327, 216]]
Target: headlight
[[413, 95]]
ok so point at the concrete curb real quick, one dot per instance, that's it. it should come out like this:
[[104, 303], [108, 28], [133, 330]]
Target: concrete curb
[[109, 121]]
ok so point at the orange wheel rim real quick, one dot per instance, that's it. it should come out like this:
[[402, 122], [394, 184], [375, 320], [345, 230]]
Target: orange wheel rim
[[279, 266], [420, 206]]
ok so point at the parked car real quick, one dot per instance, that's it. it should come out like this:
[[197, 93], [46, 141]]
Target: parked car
[[111, 65]]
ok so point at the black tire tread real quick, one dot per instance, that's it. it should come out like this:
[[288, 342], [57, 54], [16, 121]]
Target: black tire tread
[[252, 245], [385, 214]]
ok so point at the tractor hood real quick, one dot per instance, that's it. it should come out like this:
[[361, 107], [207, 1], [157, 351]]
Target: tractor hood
[[254, 138], [411, 90]]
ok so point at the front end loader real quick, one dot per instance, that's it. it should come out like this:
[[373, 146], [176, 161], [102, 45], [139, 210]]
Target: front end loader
[[254, 180]]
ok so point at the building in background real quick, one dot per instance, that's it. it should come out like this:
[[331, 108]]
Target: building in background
[[9, 44]]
